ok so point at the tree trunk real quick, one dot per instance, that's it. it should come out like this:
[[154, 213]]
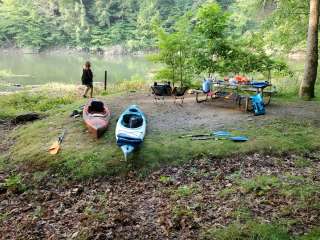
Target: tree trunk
[[311, 65]]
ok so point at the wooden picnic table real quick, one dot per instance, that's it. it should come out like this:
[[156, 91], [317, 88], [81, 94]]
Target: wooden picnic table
[[238, 93]]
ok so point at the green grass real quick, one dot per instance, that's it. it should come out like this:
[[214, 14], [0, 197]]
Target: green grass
[[302, 190], [83, 157], [14, 104], [288, 86], [254, 230], [260, 184], [249, 231], [6, 73], [302, 162], [14, 183], [185, 191], [289, 185]]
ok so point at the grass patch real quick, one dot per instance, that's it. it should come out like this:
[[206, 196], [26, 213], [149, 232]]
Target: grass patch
[[312, 235], [302, 162], [165, 179], [254, 230], [298, 188], [260, 184], [14, 183], [250, 230], [4, 73], [14, 104], [93, 214], [84, 157], [242, 214], [185, 191]]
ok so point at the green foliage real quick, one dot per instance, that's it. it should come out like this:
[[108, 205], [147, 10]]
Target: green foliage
[[281, 24], [298, 187], [165, 179], [202, 42], [86, 24], [14, 183], [3, 217], [185, 191], [175, 53], [260, 184]]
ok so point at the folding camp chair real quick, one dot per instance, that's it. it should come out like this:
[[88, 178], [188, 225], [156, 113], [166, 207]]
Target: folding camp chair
[[178, 93], [160, 91]]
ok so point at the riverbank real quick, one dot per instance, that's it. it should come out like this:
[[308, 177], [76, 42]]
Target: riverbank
[[108, 51], [171, 187], [24, 71]]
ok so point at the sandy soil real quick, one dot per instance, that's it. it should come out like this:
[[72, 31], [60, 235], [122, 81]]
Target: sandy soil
[[169, 116], [216, 114]]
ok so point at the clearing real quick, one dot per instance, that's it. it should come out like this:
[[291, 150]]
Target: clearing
[[172, 188]]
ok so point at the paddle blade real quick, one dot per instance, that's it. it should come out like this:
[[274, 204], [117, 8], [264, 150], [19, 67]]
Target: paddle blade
[[239, 139], [221, 134], [54, 149]]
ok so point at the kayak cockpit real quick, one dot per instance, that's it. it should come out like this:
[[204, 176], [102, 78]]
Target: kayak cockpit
[[131, 120], [96, 107]]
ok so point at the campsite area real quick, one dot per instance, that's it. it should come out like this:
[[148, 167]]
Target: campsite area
[[159, 119], [172, 187]]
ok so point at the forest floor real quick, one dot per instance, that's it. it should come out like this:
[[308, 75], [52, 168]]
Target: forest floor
[[267, 188]]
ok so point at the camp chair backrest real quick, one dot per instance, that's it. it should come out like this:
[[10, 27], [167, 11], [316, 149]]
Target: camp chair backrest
[[162, 90], [96, 106], [179, 91]]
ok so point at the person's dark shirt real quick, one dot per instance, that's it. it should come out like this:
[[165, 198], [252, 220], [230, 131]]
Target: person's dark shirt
[[87, 77]]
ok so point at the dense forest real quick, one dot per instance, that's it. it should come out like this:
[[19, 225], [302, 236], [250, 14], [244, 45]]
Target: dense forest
[[98, 23], [87, 23]]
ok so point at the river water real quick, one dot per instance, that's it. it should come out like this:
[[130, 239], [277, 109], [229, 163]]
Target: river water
[[37, 69]]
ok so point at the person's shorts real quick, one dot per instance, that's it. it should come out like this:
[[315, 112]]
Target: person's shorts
[[88, 85]]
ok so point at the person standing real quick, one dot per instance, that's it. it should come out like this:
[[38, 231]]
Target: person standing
[[87, 79]]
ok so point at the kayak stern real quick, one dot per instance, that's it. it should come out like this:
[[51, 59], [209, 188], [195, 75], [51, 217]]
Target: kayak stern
[[127, 149]]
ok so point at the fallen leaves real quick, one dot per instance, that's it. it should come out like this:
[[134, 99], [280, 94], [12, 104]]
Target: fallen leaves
[[171, 203]]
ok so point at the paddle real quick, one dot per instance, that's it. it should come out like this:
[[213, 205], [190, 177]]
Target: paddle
[[55, 147], [239, 139], [218, 134]]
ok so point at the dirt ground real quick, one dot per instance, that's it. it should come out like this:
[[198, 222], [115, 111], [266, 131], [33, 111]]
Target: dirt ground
[[217, 114]]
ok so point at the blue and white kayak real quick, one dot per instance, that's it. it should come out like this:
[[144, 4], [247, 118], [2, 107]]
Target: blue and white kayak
[[130, 129]]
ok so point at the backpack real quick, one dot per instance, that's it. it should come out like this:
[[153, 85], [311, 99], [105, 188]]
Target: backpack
[[258, 105], [206, 86]]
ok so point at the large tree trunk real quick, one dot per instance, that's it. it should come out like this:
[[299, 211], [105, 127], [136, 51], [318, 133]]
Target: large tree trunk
[[311, 65]]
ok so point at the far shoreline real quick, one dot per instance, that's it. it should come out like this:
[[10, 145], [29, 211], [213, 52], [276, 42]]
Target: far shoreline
[[110, 51]]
